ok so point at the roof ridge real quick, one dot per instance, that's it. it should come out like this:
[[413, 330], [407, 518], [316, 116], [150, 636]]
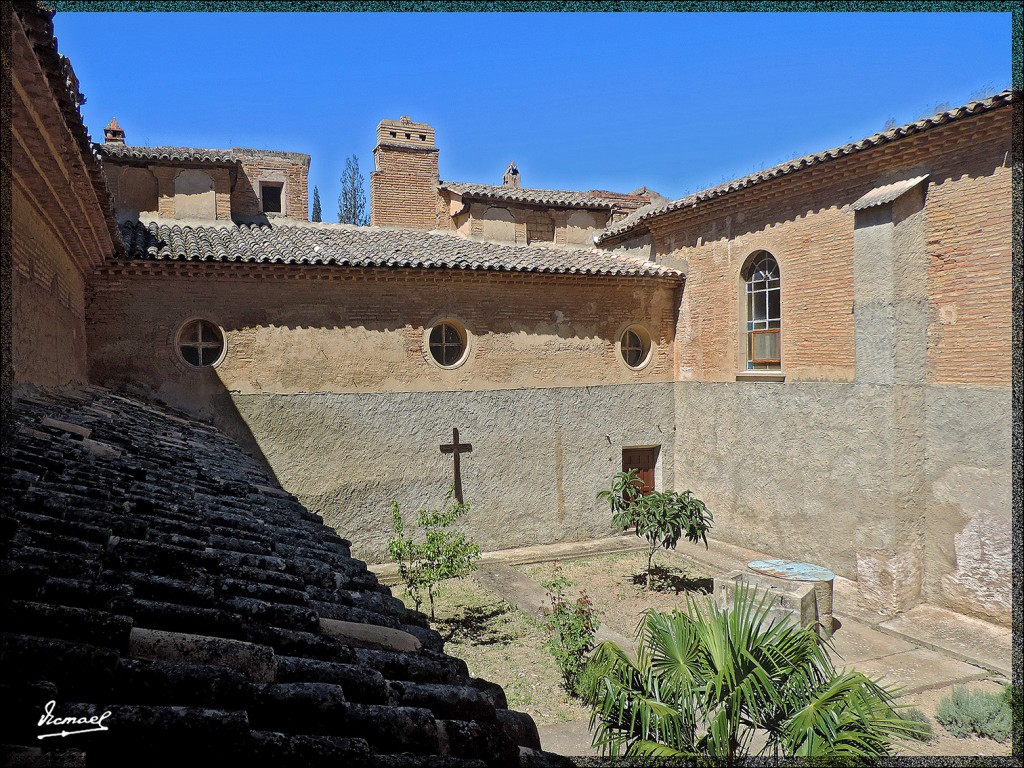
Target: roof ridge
[[971, 108]]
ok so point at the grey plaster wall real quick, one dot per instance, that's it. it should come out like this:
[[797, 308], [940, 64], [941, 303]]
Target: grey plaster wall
[[801, 471], [968, 484], [539, 455]]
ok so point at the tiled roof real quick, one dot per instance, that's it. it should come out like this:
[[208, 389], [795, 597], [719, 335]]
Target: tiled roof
[[346, 245], [154, 571], [189, 154], [556, 197], [808, 161], [886, 193]]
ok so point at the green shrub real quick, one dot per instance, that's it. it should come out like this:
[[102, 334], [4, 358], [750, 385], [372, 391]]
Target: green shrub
[[966, 713], [444, 553], [571, 627], [915, 715], [661, 517]]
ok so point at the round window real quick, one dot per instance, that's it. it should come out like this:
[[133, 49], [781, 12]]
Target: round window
[[447, 343], [200, 343], [635, 346]]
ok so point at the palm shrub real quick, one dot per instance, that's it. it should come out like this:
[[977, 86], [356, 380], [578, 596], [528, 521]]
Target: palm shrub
[[661, 517], [706, 681], [443, 554]]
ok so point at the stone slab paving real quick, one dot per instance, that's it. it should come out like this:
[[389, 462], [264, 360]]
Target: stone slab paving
[[962, 637], [855, 642], [920, 670]]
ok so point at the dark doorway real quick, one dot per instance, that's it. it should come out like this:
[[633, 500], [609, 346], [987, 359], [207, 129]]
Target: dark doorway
[[643, 461]]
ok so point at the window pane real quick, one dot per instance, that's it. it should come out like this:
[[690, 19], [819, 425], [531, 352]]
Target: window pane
[[209, 332], [210, 354], [451, 335], [436, 334], [191, 355], [766, 346], [758, 306], [774, 308], [271, 199]]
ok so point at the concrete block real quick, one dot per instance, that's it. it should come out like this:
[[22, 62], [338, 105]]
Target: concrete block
[[789, 600]]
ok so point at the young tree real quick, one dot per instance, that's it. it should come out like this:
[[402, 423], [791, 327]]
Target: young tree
[[352, 200], [316, 204], [661, 517], [444, 553]]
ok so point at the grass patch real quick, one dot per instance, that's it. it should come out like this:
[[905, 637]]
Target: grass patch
[[975, 713], [917, 715]]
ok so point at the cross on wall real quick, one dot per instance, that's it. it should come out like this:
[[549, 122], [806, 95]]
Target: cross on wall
[[455, 448]]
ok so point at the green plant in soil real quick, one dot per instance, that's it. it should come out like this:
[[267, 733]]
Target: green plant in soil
[[967, 713], [916, 715], [571, 627], [443, 553], [660, 517], [706, 681]]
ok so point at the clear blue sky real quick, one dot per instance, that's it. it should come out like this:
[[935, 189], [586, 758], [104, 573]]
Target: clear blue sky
[[673, 101]]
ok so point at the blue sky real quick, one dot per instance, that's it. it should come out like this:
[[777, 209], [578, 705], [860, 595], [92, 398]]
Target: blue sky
[[673, 101]]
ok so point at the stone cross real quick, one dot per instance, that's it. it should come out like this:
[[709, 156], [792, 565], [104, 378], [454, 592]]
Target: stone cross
[[455, 447]]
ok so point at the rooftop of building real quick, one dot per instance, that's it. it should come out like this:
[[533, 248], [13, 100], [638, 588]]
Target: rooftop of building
[[119, 151], [155, 571], [641, 216], [594, 199], [305, 243]]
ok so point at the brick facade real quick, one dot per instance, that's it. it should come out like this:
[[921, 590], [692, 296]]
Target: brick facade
[[403, 187], [807, 223]]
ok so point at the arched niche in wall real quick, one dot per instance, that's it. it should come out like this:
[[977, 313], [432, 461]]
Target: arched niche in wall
[[580, 227], [137, 193], [499, 224], [194, 197]]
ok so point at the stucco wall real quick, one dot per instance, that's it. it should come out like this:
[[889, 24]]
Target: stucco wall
[[539, 456], [968, 503], [313, 329]]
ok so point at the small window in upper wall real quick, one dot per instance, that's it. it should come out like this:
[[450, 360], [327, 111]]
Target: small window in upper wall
[[635, 346], [200, 343], [764, 312], [271, 196], [447, 344]]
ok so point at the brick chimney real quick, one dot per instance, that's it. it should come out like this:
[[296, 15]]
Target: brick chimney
[[112, 133], [511, 177], [403, 188]]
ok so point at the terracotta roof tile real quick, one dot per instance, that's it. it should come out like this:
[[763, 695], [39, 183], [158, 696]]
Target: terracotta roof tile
[[163, 585], [556, 197], [345, 245], [973, 108]]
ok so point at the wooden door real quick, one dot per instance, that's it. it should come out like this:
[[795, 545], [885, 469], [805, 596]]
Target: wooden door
[[643, 461]]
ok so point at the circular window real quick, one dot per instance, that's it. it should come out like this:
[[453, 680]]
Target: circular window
[[201, 343], [635, 346], [447, 344]]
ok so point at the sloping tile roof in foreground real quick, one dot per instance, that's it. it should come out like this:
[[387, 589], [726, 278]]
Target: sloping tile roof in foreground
[[346, 245], [1001, 99], [154, 571]]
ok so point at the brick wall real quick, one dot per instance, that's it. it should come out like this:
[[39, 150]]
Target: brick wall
[[48, 296], [403, 188], [291, 168], [805, 221], [303, 329]]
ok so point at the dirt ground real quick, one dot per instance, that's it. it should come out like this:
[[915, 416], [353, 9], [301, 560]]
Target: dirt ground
[[505, 646]]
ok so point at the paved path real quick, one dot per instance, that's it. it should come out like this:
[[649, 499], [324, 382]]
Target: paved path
[[926, 647]]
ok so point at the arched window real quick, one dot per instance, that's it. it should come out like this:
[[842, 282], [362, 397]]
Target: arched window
[[764, 312]]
